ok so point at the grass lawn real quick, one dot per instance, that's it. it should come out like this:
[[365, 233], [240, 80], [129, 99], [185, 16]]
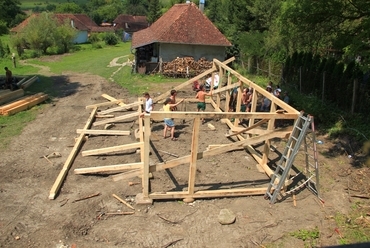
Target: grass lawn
[[30, 4]]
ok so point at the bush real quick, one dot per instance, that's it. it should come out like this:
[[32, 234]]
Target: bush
[[111, 39], [94, 37]]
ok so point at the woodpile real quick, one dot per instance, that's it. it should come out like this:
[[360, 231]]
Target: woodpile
[[23, 103], [16, 101], [185, 67]]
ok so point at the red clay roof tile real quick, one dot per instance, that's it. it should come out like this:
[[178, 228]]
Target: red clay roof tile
[[183, 23]]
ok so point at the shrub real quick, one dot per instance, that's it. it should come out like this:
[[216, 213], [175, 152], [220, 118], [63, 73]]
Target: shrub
[[111, 39]]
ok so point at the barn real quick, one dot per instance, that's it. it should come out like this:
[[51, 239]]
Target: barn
[[183, 31]]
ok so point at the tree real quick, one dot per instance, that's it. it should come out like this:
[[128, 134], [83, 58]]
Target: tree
[[135, 7], [8, 10], [40, 33], [72, 8], [154, 11], [65, 35]]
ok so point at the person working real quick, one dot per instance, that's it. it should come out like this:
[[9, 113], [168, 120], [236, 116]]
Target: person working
[[169, 125], [201, 95], [8, 78], [148, 104]]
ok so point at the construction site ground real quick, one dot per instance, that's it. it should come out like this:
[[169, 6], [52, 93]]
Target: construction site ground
[[30, 219]]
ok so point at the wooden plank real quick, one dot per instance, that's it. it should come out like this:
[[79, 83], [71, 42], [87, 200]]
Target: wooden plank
[[119, 118], [243, 143], [110, 98], [103, 132], [13, 104], [221, 115], [193, 156], [249, 128], [26, 106], [127, 175], [111, 149], [2, 92], [127, 106], [146, 151], [97, 105], [210, 193], [108, 168], [58, 182], [10, 96]]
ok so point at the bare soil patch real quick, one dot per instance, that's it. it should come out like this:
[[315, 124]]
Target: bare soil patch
[[30, 219]]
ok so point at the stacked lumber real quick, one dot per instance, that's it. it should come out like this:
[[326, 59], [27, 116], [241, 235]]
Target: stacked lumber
[[23, 103], [9, 96], [185, 67]]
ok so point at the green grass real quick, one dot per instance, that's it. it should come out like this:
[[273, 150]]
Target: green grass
[[30, 4], [12, 126]]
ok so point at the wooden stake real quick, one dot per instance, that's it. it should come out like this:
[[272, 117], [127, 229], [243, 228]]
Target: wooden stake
[[48, 159], [120, 213], [124, 202], [87, 197], [294, 201]]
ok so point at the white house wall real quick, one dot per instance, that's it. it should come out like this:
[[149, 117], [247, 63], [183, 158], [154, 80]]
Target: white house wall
[[169, 52], [82, 37]]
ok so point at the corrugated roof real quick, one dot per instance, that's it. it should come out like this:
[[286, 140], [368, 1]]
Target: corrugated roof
[[183, 23]]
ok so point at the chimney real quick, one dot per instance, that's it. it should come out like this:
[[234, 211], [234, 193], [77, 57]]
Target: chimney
[[201, 5]]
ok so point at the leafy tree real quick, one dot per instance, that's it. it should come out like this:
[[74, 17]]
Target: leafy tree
[[40, 33], [3, 28], [8, 10], [69, 7], [65, 35], [50, 7], [135, 7], [154, 11]]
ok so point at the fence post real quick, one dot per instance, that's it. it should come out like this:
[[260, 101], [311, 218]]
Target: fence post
[[355, 85]]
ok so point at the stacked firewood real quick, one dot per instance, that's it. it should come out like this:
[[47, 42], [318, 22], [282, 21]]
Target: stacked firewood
[[185, 67]]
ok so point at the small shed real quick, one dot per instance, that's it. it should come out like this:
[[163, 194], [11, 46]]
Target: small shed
[[183, 31]]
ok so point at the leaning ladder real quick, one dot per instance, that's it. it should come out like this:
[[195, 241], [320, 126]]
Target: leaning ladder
[[299, 135]]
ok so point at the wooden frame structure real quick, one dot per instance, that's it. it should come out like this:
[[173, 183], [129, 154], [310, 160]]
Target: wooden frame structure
[[261, 129]]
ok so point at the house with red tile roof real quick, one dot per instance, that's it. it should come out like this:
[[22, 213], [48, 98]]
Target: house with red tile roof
[[81, 22], [130, 23], [183, 31]]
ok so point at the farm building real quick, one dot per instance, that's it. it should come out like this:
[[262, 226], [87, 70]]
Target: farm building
[[183, 31], [81, 22]]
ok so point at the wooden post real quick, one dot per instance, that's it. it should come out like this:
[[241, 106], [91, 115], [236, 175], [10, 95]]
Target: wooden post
[[145, 152], [354, 94], [270, 126], [227, 100], [193, 154]]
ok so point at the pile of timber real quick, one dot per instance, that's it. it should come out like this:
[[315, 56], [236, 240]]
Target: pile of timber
[[185, 67], [22, 103]]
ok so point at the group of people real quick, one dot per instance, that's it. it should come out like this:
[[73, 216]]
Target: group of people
[[266, 102], [170, 104]]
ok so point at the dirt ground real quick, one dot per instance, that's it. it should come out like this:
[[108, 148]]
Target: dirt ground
[[30, 219]]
